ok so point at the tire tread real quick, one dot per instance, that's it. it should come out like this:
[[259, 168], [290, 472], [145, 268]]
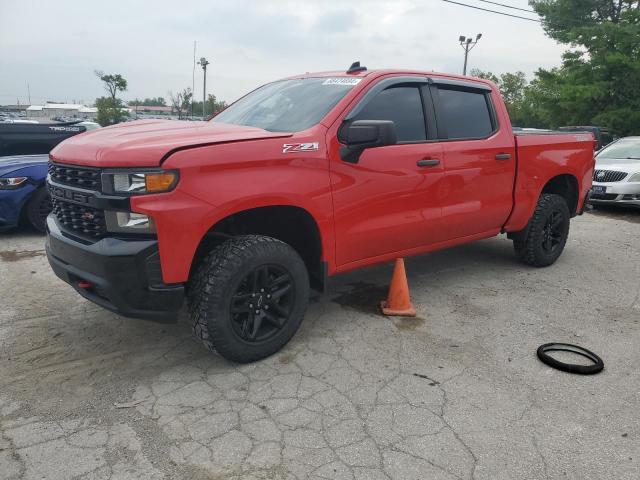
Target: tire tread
[[525, 244], [216, 269]]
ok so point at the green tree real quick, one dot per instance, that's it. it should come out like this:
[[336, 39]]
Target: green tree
[[212, 106], [598, 80], [181, 101], [110, 112], [476, 72], [148, 102], [111, 109], [112, 83], [513, 87]]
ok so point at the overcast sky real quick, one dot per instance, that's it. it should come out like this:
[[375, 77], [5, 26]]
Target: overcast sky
[[56, 45]]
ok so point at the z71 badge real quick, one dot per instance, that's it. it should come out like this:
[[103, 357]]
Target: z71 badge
[[300, 147]]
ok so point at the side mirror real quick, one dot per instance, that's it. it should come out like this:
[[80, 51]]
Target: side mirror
[[362, 134]]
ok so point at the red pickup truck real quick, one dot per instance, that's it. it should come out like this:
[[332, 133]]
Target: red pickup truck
[[299, 180]]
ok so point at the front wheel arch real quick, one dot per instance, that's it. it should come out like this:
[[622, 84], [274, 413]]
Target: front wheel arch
[[292, 225]]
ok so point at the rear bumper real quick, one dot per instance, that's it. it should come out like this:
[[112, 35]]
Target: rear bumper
[[125, 275]]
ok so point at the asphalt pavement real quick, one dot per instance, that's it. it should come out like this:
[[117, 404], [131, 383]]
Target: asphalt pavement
[[456, 393]]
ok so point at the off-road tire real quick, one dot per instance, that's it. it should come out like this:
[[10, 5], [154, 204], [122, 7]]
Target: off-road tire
[[37, 209], [216, 281], [528, 244]]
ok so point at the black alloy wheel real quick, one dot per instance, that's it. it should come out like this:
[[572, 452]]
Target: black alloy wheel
[[553, 231], [262, 303], [248, 297], [543, 240]]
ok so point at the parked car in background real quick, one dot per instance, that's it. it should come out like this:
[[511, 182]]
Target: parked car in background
[[30, 139], [24, 152], [23, 193], [616, 178], [89, 124]]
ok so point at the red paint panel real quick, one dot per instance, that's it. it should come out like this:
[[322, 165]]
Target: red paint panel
[[540, 159]]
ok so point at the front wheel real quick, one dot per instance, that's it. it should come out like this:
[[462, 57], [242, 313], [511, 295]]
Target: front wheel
[[248, 297], [37, 209], [542, 242]]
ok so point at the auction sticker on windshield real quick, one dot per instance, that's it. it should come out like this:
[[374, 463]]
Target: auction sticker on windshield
[[341, 81]]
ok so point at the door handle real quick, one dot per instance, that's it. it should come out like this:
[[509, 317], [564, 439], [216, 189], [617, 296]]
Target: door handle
[[428, 162], [503, 156]]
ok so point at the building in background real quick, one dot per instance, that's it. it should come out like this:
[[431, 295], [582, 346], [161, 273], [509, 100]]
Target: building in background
[[62, 110]]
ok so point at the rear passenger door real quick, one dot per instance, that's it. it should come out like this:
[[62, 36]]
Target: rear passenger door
[[479, 159]]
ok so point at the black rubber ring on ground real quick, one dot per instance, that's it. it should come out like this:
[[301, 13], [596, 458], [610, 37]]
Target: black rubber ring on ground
[[597, 366]]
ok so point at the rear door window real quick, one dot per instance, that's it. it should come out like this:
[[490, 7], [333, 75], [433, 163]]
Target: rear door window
[[466, 113], [402, 105]]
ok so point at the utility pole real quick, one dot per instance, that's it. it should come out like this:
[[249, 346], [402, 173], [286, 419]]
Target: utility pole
[[193, 78], [467, 45], [203, 63]]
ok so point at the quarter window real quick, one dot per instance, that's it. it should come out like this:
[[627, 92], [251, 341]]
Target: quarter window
[[402, 105], [466, 113]]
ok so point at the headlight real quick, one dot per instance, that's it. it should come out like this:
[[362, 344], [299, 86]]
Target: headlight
[[635, 177], [12, 183], [130, 222], [139, 182]]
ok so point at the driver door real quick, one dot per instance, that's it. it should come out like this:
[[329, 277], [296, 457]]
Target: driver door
[[388, 201]]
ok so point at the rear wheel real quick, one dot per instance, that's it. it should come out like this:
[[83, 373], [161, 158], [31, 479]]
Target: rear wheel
[[38, 207], [248, 297], [542, 242]]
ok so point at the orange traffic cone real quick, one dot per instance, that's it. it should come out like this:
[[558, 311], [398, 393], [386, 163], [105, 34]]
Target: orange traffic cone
[[398, 302]]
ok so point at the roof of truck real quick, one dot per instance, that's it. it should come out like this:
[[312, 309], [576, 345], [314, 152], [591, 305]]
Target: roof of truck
[[381, 72]]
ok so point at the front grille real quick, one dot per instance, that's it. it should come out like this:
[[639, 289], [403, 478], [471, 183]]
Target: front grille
[[79, 218], [605, 176], [604, 196], [82, 177]]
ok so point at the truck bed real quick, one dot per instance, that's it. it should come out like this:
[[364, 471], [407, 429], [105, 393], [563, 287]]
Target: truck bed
[[544, 155]]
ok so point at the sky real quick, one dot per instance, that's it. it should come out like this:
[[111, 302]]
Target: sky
[[55, 46]]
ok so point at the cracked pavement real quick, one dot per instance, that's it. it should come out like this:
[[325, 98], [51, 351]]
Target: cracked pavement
[[456, 393]]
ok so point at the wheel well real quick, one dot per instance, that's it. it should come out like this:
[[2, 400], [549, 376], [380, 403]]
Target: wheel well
[[567, 187], [292, 225]]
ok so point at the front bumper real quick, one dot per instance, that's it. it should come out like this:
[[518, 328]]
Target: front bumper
[[124, 274], [621, 193]]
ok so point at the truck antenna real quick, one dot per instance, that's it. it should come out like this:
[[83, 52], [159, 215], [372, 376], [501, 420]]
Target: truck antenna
[[355, 68]]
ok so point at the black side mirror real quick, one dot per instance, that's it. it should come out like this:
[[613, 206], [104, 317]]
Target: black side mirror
[[362, 134]]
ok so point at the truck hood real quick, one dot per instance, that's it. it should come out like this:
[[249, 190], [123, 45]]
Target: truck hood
[[146, 143], [17, 162]]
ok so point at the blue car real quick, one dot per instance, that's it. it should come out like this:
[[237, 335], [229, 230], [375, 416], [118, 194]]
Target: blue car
[[23, 194]]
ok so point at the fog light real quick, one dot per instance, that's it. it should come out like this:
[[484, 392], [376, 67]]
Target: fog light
[[132, 220], [129, 222]]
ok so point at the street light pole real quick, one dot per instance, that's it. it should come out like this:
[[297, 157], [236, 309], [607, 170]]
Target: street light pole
[[467, 45], [203, 63]]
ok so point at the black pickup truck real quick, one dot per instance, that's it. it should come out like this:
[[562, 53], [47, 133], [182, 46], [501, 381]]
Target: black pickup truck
[[35, 138]]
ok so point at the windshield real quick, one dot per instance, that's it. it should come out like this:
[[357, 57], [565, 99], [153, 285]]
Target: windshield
[[622, 150], [288, 105]]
